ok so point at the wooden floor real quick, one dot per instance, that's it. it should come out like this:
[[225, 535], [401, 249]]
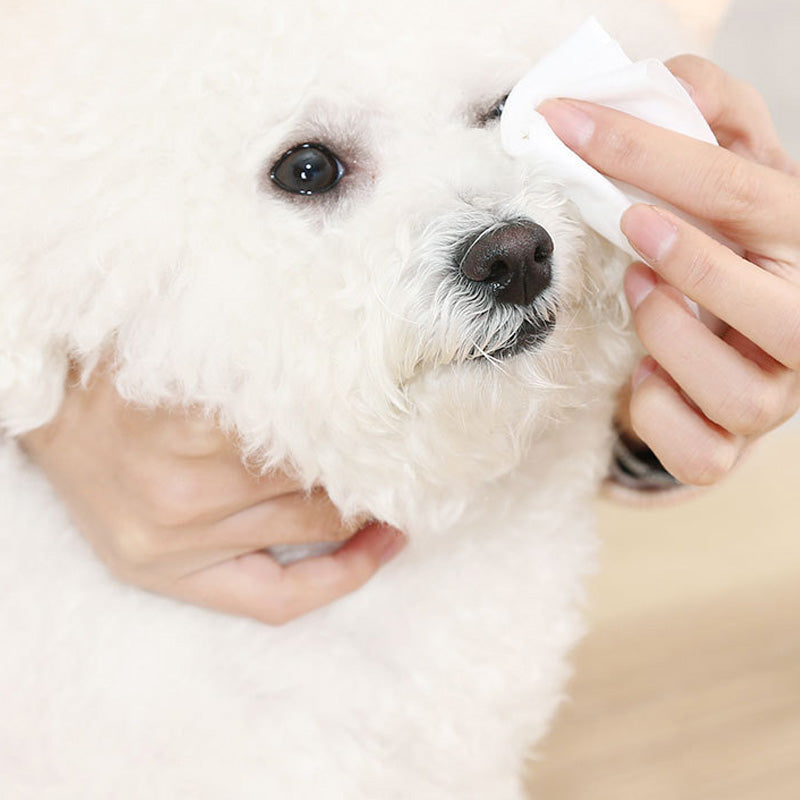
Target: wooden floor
[[688, 686]]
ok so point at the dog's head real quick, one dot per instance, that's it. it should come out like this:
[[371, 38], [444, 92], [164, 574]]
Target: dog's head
[[302, 219]]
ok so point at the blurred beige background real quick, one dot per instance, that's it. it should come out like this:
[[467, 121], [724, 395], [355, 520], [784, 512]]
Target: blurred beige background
[[759, 40], [688, 684]]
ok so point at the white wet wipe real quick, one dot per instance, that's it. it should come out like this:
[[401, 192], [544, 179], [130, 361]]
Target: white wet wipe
[[592, 66]]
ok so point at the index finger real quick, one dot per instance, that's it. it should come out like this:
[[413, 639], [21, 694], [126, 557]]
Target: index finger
[[754, 205]]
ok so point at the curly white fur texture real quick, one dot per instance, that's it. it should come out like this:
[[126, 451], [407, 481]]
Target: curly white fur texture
[[332, 332]]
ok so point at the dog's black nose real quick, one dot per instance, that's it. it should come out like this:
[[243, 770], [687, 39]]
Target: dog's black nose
[[513, 260]]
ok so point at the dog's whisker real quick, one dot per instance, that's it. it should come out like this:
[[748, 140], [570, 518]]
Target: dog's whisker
[[392, 312]]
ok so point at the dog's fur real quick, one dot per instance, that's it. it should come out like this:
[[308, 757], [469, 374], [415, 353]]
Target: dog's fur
[[331, 333]]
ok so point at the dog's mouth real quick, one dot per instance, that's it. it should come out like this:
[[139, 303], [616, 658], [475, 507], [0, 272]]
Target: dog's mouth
[[530, 334]]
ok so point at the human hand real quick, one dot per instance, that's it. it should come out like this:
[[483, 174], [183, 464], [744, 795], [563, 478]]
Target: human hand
[[167, 505], [702, 394]]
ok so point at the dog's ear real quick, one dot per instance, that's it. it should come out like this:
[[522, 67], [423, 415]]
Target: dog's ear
[[701, 16]]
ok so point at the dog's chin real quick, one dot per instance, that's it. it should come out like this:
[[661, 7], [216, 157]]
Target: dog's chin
[[529, 336]]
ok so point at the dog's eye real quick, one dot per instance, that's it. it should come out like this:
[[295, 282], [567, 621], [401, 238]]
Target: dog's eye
[[497, 110], [494, 113], [307, 169]]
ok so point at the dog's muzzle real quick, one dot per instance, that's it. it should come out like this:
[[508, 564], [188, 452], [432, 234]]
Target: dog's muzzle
[[511, 264]]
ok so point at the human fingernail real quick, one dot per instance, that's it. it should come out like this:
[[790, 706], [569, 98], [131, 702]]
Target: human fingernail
[[647, 366], [649, 231], [395, 541], [691, 305], [639, 282], [687, 86], [569, 122]]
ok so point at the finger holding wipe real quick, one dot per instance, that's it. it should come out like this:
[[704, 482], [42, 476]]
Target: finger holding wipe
[[680, 166], [592, 66]]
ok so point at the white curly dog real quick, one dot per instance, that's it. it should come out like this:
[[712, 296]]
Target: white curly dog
[[302, 219]]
